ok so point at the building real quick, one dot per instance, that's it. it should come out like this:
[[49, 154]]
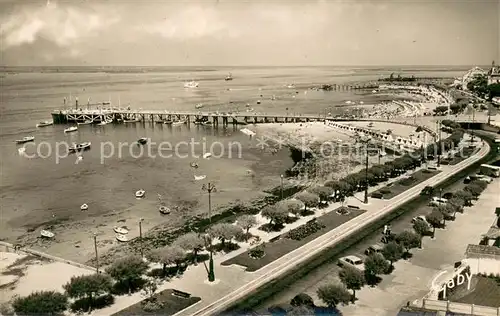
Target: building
[[494, 74], [483, 259]]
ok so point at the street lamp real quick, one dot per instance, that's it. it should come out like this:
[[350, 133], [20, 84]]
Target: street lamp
[[140, 236], [366, 179], [96, 255], [281, 176], [210, 187]]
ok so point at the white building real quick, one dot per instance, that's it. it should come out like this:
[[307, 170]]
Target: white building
[[483, 259]]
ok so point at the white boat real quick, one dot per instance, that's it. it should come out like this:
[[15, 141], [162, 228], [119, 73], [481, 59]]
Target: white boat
[[207, 124], [193, 165], [105, 122], [207, 155], [80, 147], [140, 194], [120, 230], [122, 238], [198, 106], [25, 139], [46, 233], [178, 123], [84, 207], [44, 123], [71, 129], [86, 122], [21, 150], [191, 84], [198, 178], [164, 210], [132, 121], [229, 77]]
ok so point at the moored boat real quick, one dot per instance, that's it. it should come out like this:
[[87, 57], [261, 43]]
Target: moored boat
[[140, 194], [142, 140], [120, 230], [206, 123], [86, 122], [178, 123], [168, 122], [132, 121], [71, 129], [44, 123], [25, 139], [191, 84], [47, 234], [198, 106], [198, 178], [84, 207], [207, 155], [164, 210], [80, 147], [229, 77], [105, 122]]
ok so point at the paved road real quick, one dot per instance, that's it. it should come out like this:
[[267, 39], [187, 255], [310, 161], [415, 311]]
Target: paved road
[[287, 262]]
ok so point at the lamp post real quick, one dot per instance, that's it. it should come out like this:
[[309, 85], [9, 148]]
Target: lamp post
[[366, 179], [210, 187], [96, 254], [140, 236], [281, 177], [440, 146]]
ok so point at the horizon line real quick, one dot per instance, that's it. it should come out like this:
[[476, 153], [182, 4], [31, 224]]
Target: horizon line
[[242, 66]]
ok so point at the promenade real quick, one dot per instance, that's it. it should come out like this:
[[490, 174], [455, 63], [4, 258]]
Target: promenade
[[234, 283]]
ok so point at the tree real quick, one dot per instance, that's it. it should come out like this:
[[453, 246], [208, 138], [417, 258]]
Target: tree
[[421, 228], [309, 199], [457, 203], [302, 299], [392, 252], [353, 279], [408, 240], [224, 231], [323, 192], [275, 214], [293, 206], [435, 219], [447, 210], [376, 264], [128, 271], [41, 303], [464, 195], [474, 189], [333, 294], [190, 242], [301, 311], [246, 222], [168, 255], [88, 287]]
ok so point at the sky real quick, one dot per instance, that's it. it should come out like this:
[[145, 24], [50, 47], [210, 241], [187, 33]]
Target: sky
[[249, 33]]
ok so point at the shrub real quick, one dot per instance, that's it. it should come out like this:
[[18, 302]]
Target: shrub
[[257, 252], [302, 299], [305, 230]]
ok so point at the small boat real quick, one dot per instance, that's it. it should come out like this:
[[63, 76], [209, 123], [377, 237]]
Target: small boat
[[86, 122], [80, 147], [120, 230], [46, 233], [142, 140], [71, 129], [198, 178], [191, 84], [207, 123], [193, 165], [160, 121], [84, 207], [164, 210], [140, 194], [105, 122], [21, 151], [132, 121], [207, 155], [198, 106], [258, 101], [229, 77], [122, 238], [44, 123], [168, 122], [178, 123], [25, 139]]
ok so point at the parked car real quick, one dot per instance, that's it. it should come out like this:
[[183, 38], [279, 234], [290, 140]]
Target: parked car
[[353, 262], [428, 190], [375, 248], [448, 195], [436, 201], [419, 218]]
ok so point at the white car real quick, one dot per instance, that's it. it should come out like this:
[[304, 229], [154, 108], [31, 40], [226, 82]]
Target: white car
[[485, 178], [419, 218], [436, 201], [353, 262]]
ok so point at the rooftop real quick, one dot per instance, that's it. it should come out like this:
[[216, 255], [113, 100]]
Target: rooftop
[[493, 233], [480, 251]]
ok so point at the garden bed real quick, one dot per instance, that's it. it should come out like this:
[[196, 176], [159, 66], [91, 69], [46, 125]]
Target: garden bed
[[285, 244], [466, 153], [393, 189], [171, 304]]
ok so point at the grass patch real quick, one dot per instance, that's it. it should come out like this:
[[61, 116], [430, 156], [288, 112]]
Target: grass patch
[[285, 244], [400, 186], [167, 303]]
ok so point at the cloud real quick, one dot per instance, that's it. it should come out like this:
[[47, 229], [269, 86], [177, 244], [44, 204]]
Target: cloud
[[61, 25]]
